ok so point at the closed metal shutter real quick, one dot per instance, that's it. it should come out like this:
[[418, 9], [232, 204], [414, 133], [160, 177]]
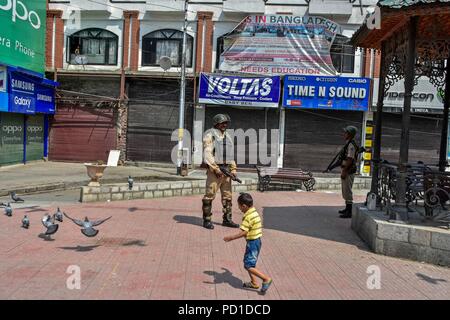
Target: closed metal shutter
[[82, 134], [313, 137], [153, 112], [35, 138], [247, 119], [424, 137], [11, 138]]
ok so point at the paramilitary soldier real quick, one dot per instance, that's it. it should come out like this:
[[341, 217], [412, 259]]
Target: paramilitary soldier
[[348, 169], [218, 151]]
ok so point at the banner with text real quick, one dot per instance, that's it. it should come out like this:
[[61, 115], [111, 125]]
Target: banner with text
[[239, 91], [22, 36], [278, 44], [29, 96], [335, 93]]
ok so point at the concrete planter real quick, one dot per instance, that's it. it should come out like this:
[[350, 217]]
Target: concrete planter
[[95, 172]]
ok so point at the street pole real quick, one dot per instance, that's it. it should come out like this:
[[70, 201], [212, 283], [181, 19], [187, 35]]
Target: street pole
[[182, 93]]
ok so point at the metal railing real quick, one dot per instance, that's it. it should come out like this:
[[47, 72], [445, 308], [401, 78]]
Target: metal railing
[[427, 190]]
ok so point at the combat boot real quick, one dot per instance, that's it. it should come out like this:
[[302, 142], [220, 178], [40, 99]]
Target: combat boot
[[347, 212], [206, 208], [227, 222]]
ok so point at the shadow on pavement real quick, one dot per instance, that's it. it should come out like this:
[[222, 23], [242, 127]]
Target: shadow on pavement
[[321, 222], [80, 248], [429, 279], [224, 277], [197, 221], [46, 237]]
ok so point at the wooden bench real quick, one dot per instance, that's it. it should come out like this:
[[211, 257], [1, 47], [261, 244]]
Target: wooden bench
[[268, 175]]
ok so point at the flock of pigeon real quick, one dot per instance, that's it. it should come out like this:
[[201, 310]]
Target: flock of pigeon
[[50, 222]]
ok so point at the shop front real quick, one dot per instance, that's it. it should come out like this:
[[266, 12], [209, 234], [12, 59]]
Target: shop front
[[317, 109], [26, 100], [253, 106]]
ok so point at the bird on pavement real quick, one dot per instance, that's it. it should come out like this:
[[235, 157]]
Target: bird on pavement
[[130, 183], [25, 222], [50, 224], [8, 210], [16, 198], [58, 216], [87, 225]]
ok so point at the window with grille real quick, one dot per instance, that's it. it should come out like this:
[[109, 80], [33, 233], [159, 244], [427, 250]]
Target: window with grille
[[167, 43], [93, 46]]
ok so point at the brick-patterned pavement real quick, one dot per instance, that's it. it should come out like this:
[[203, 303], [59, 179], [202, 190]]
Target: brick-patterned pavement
[[157, 249]]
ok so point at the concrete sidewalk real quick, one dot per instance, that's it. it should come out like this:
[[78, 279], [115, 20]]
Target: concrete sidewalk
[[40, 176], [48, 176]]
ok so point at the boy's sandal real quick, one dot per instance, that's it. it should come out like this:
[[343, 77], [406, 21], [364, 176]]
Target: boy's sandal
[[250, 285], [265, 286]]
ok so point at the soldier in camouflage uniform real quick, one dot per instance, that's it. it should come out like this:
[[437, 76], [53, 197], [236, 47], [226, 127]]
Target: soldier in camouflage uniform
[[218, 150]]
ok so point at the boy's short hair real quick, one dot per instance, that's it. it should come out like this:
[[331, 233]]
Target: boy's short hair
[[245, 199]]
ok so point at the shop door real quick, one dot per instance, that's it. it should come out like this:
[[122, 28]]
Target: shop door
[[82, 134], [35, 138], [11, 138]]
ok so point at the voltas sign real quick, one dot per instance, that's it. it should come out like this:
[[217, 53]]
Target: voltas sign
[[22, 36], [239, 91]]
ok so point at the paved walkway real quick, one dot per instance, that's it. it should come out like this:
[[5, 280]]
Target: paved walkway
[[156, 249]]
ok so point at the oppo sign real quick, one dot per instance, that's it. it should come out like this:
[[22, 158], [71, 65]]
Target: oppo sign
[[20, 11]]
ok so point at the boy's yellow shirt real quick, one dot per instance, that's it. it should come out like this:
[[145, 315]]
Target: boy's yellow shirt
[[251, 222]]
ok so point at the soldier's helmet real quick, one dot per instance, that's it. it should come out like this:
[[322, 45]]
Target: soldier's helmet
[[221, 118], [351, 130]]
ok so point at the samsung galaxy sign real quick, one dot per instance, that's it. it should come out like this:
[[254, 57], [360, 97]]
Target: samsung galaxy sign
[[239, 91]]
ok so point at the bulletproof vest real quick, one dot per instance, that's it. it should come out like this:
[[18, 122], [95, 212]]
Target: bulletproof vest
[[353, 169], [223, 147]]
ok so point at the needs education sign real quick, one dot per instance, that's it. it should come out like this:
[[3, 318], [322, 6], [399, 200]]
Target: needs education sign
[[240, 91], [320, 92], [22, 33]]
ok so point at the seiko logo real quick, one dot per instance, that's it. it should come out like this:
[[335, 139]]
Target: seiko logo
[[240, 87], [20, 11], [34, 129], [22, 101], [11, 129]]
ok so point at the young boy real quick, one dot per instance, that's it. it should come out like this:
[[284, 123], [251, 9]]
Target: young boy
[[251, 229]]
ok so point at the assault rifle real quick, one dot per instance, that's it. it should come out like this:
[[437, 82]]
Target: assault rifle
[[226, 171], [341, 156]]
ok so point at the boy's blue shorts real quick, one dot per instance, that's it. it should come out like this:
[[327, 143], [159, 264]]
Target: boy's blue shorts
[[252, 250]]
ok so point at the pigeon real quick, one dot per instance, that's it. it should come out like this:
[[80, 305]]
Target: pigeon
[[25, 222], [16, 198], [49, 223], [8, 210], [58, 216], [87, 226], [130, 183]]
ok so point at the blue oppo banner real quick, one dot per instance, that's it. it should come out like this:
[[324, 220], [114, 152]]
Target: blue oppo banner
[[320, 92], [29, 96], [239, 91]]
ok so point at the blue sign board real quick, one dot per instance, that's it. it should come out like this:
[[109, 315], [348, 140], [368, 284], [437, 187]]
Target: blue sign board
[[321, 92], [28, 95], [239, 91]]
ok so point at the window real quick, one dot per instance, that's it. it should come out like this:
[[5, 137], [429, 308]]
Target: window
[[168, 43], [343, 55], [93, 46]]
